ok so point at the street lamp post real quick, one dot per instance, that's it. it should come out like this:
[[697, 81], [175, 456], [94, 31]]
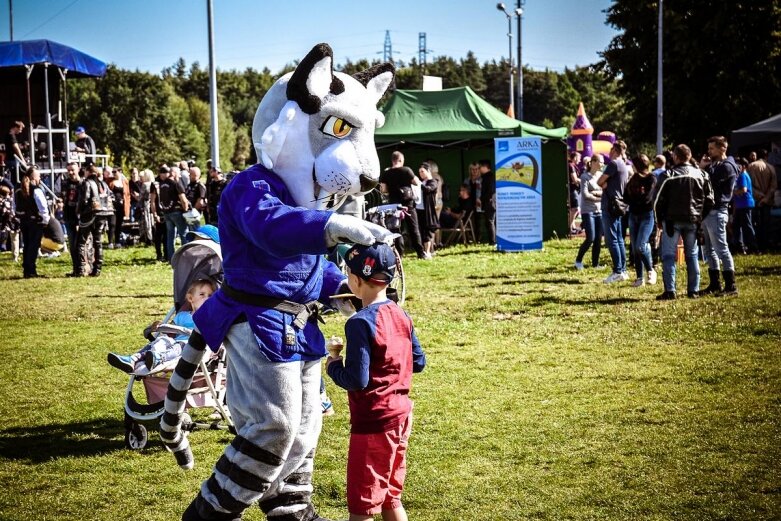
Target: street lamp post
[[517, 12]]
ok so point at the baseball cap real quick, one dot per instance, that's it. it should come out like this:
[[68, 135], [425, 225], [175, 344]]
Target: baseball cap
[[207, 231], [79, 130], [376, 263]]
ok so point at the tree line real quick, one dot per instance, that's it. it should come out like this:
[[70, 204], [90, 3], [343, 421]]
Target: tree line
[[721, 72], [144, 119]]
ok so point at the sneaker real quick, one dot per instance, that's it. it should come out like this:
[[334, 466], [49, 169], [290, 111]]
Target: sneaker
[[126, 363], [151, 359], [328, 407], [614, 277], [624, 275], [110, 246], [637, 283], [692, 294], [578, 265], [652, 277], [667, 295], [600, 267]]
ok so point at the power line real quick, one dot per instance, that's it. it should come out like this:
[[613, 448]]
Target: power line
[[55, 15]]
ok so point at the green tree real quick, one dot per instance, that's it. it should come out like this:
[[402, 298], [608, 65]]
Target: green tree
[[721, 65]]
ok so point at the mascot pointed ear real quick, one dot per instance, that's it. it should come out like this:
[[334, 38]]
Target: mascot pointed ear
[[376, 79], [313, 79], [273, 138]]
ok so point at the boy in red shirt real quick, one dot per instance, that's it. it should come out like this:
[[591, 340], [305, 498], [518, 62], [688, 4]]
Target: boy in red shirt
[[382, 353]]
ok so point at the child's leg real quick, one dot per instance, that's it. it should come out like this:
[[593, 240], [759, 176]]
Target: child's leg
[[397, 514], [361, 517]]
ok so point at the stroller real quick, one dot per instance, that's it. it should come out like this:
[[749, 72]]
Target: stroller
[[198, 259]]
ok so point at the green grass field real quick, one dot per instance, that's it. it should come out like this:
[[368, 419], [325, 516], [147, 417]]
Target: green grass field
[[548, 395]]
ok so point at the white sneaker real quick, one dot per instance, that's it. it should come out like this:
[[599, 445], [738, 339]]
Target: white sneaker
[[613, 277], [637, 283], [578, 266], [624, 275], [652, 277]]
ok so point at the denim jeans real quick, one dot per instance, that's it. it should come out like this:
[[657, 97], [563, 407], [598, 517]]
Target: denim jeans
[[73, 240], [716, 247], [640, 228], [614, 240], [175, 225], [592, 225], [744, 230], [669, 248]]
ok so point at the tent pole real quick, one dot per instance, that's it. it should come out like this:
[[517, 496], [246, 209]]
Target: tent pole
[[30, 147], [48, 124]]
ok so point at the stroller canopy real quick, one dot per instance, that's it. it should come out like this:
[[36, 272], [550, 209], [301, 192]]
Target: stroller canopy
[[199, 259]]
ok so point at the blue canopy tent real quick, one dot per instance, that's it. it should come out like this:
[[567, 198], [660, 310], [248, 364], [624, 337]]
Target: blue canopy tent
[[24, 71]]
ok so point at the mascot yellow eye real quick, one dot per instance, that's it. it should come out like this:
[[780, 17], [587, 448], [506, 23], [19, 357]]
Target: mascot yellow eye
[[336, 127]]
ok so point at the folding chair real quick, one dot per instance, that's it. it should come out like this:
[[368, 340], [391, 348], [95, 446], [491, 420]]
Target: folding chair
[[463, 231]]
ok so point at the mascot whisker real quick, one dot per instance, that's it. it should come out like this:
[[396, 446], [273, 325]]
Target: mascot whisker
[[314, 137]]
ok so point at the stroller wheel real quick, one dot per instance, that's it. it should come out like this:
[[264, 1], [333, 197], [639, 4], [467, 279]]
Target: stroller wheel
[[136, 437]]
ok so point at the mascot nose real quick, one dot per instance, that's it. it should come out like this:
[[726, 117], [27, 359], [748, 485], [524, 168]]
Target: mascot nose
[[367, 183]]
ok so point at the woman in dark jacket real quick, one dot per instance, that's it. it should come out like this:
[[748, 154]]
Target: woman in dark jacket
[[428, 220], [639, 195]]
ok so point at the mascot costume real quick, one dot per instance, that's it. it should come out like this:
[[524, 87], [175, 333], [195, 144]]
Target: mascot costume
[[314, 137]]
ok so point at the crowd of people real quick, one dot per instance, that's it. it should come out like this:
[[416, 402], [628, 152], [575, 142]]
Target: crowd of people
[[421, 197], [91, 206], [714, 207]]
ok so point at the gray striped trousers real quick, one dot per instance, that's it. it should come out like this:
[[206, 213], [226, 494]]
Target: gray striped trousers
[[277, 412]]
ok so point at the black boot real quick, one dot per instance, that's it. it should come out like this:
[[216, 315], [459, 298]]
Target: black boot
[[714, 288], [729, 285], [95, 272]]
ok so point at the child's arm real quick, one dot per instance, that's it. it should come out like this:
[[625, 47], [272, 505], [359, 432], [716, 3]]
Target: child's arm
[[354, 374], [418, 356]]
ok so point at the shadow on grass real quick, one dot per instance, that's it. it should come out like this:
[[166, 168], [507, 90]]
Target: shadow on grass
[[515, 282], [43, 443], [610, 301], [762, 271], [136, 261], [155, 295]]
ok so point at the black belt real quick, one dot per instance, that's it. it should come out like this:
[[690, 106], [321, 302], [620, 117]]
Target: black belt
[[302, 312]]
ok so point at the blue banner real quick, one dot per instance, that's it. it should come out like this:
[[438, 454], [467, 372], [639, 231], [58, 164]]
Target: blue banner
[[518, 193]]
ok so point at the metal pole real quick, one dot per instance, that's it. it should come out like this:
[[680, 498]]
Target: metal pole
[[213, 91], [48, 124], [11, 19], [659, 87], [510, 58], [519, 112]]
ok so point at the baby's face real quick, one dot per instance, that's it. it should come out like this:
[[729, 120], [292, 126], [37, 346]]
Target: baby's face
[[199, 296]]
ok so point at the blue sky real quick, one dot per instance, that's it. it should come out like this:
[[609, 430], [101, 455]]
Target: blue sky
[[152, 34]]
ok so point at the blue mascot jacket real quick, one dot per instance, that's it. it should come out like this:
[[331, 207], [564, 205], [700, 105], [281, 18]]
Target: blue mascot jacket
[[270, 247]]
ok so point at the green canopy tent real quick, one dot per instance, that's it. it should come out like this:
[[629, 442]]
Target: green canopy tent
[[455, 127]]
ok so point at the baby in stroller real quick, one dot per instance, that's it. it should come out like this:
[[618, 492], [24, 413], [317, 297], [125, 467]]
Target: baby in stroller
[[165, 348]]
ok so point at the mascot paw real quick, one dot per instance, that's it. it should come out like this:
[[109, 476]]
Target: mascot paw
[[346, 228], [344, 306]]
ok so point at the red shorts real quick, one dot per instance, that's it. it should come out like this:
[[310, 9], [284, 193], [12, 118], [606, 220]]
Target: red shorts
[[376, 468]]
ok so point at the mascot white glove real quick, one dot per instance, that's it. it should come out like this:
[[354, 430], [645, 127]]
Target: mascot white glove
[[347, 306], [346, 228]]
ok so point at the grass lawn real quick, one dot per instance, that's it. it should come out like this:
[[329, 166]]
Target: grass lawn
[[548, 395]]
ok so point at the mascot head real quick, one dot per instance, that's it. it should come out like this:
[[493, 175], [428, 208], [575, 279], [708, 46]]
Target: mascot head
[[315, 129]]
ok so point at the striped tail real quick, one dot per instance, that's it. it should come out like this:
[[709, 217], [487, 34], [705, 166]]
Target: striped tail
[[171, 422]]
